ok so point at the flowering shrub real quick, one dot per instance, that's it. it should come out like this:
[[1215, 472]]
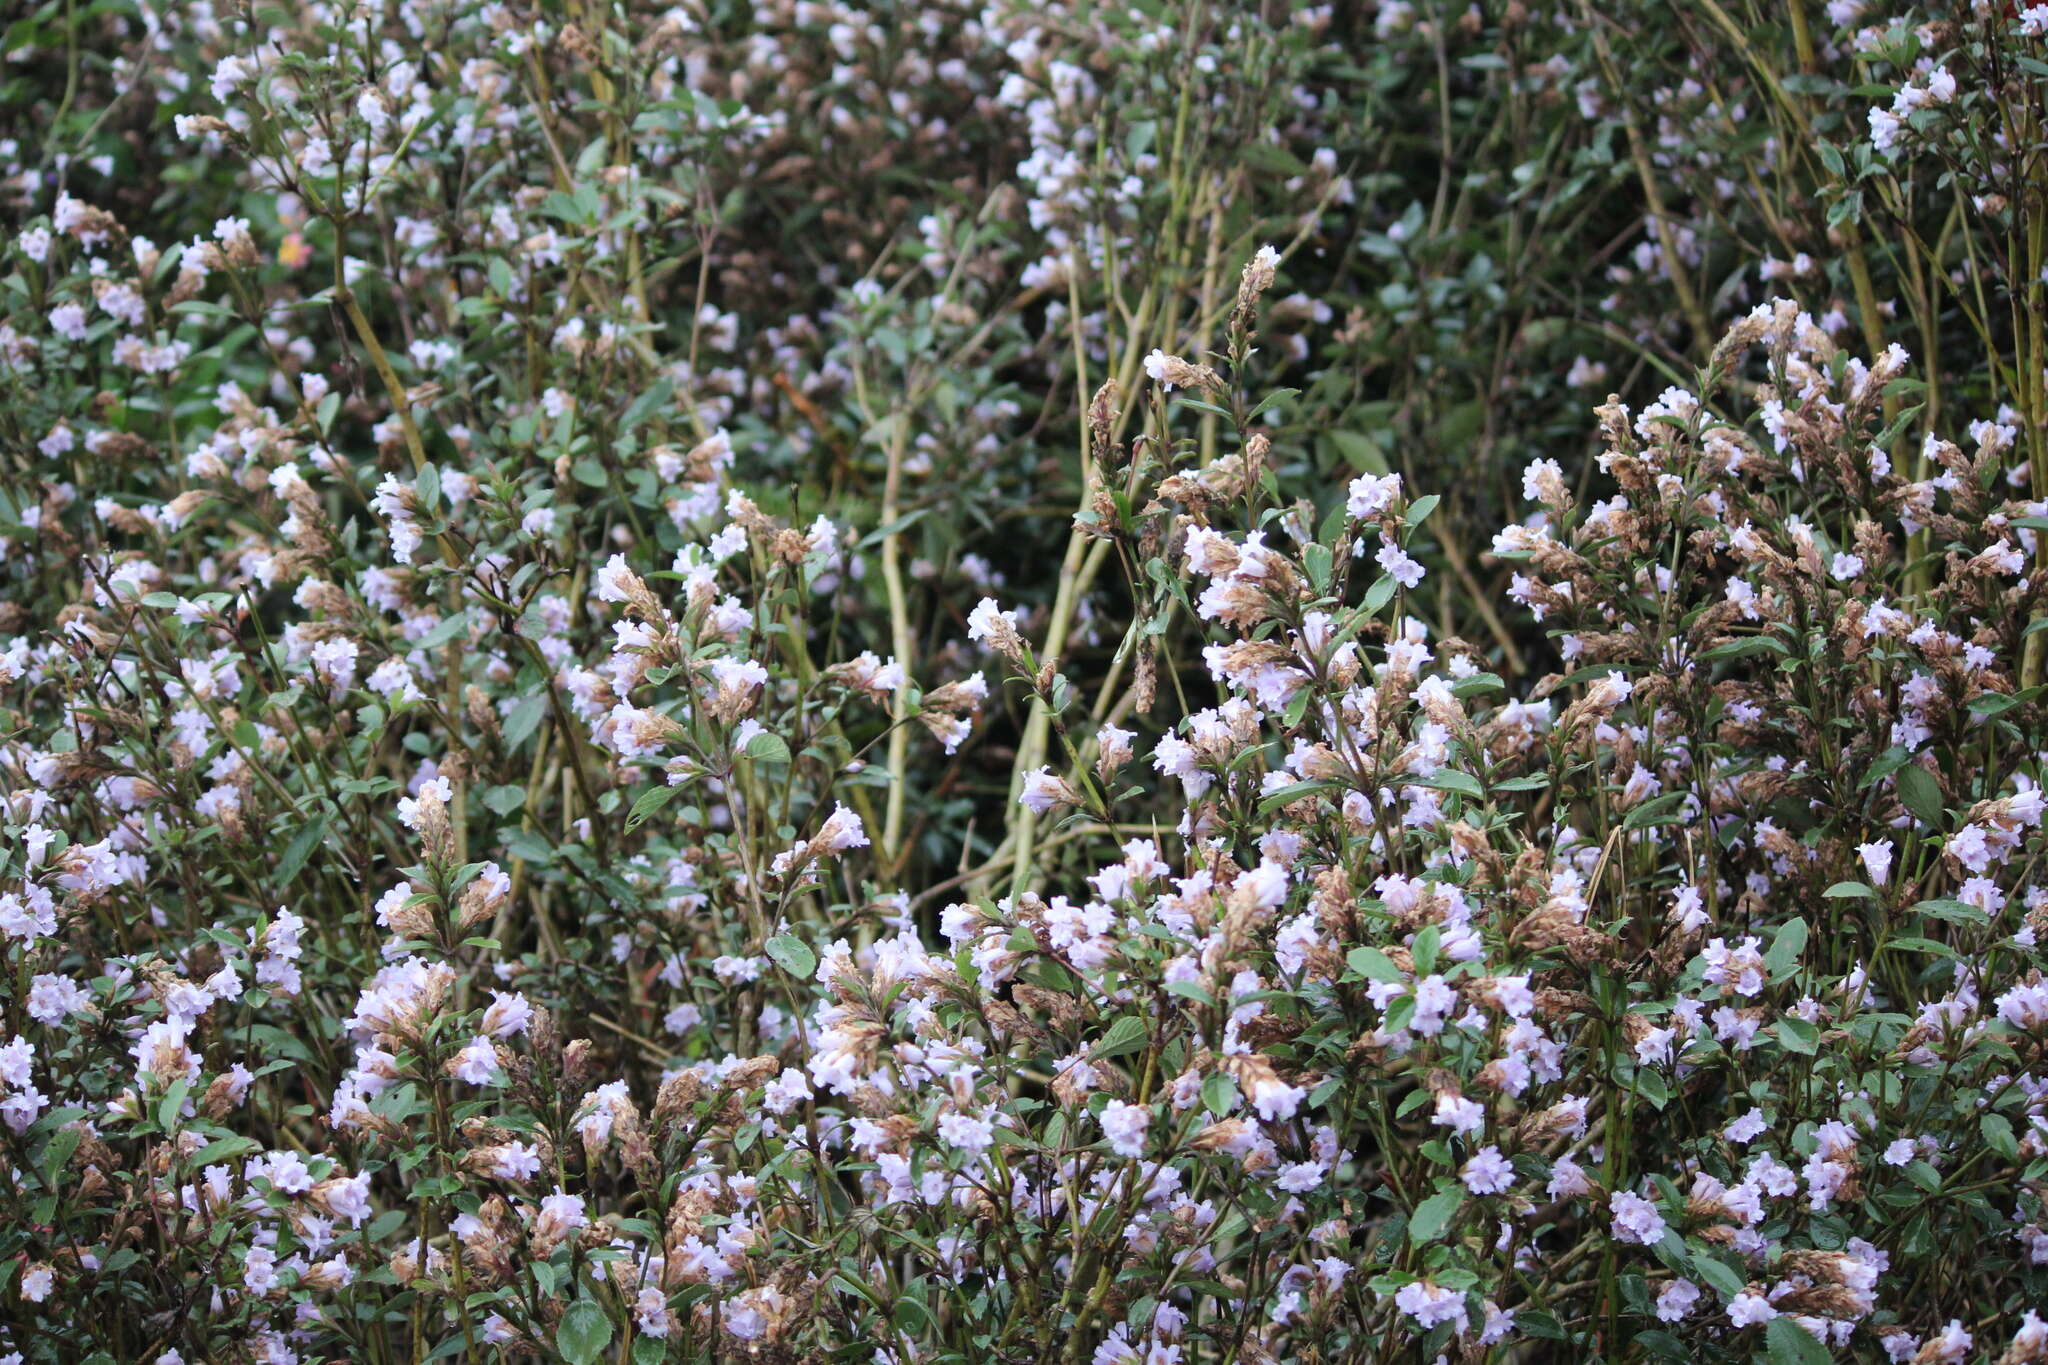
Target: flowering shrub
[[651, 716]]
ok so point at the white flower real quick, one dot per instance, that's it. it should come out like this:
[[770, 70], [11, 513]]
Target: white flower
[[967, 1132], [1396, 561], [1124, 1125], [615, 582], [1369, 496], [477, 1063], [1043, 790], [1636, 1219]]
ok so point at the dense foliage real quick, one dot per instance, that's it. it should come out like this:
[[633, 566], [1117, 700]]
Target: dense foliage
[[920, 682]]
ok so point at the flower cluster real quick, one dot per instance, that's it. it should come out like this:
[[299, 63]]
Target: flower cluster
[[680, 685]]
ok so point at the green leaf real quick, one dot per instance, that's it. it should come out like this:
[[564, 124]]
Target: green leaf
[[1954, 912], [1292, 792], [768, 748], [1921, 794], [1743, 648], [1849, 891], [1423, 949], [427, 488], [1434, 1214], [1791, 1344], [1796, 1035], [650, 801], [525, 719], [1373, 964], [1127, 1034], [1997, 1131], [1998, 703], [1782, 958], [1717, 1274], [584, 1333], [220, 1149], [1317, 560], [451, 626], [793, 955], [506, 799], [1358, 450], [1884, 765], [298, 850], [172, 1107], [1911, 944], [58, 1151], [1419, 510], [1652, 1086], [643, 407], [1451, 780], [1658, 810]]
